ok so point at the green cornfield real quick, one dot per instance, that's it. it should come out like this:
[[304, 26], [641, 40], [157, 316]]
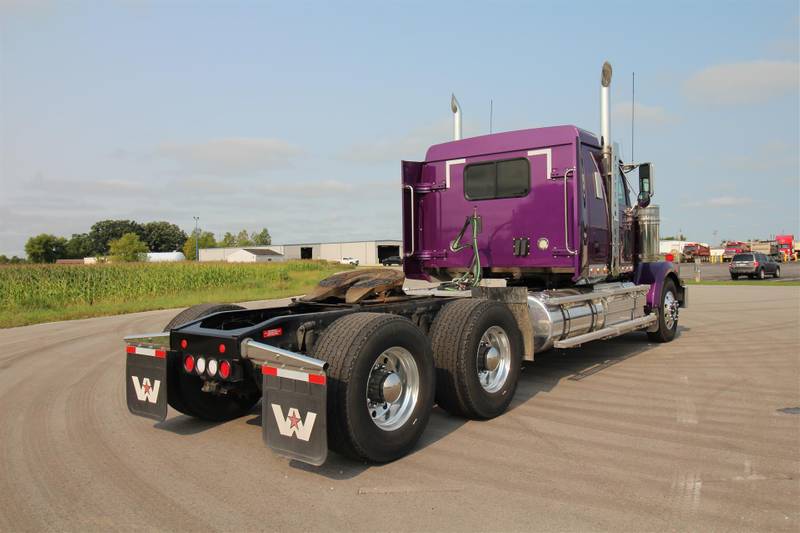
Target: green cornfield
[[39, 288]]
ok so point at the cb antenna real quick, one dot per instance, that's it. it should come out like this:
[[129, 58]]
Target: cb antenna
[[633, 109], [491, 113]]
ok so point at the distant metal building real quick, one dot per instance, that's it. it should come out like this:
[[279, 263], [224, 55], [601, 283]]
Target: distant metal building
[[254, 255], [365, 252]]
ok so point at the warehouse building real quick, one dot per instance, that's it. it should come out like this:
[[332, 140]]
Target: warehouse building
[[365, 252], [254, 255]]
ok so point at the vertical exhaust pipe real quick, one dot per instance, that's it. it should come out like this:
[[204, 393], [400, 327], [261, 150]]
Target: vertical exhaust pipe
[[456, 107], [605, 106], [608, 164]]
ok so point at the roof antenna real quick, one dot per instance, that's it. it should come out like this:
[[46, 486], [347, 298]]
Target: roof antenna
[[491, 113], [633, 109]]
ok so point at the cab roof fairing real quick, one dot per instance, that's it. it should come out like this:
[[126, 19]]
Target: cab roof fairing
[[510, 141]]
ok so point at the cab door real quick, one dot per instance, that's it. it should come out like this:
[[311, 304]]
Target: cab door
[[597, 234], [626, 235]]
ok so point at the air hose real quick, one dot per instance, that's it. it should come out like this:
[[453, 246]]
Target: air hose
[[471, 277]]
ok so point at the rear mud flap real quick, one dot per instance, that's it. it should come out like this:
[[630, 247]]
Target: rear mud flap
[[146, 382], [293, 414]]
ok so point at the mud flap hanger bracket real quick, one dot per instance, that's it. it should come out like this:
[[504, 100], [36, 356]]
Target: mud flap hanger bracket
[[262, 354]]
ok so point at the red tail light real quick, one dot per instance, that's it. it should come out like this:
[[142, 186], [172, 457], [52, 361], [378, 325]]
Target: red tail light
[[224, 369], [221, 348], [755, 263], [274, 332], [188, 363], [184, 343]]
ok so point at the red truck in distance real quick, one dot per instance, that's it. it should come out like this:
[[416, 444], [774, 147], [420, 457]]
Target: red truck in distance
[[696, 250], [786, 247], [734, 247]]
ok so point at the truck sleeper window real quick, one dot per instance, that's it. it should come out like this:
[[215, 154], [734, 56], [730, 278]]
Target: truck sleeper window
[[497, 179]]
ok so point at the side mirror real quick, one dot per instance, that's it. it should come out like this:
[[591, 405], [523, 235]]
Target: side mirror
[[645, 184]]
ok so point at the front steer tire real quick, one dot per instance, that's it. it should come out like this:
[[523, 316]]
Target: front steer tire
[[185, 393], [456, 335], [352, 346], [666, 331]]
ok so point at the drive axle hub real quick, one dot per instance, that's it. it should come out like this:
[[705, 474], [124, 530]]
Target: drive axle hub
[[490, 358], [384, 386]]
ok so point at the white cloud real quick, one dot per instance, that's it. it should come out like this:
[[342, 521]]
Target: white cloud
[[308, 189], [411, 147], [774, 158], [230, 157], [724, 201], [644, 114], [742, 83]]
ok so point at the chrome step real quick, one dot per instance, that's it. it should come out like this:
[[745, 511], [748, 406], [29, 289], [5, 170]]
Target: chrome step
[[608, 332]]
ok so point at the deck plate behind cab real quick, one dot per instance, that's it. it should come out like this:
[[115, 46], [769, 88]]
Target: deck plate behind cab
[[356, 285]]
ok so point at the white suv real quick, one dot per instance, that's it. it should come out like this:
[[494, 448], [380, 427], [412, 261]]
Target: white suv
[[349, 261]]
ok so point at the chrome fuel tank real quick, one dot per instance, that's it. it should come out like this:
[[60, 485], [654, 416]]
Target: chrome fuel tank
[[565, 313]]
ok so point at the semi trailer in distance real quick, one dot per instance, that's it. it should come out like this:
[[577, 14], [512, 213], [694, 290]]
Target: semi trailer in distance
[[532, 242], [695, 250], [734, 247]]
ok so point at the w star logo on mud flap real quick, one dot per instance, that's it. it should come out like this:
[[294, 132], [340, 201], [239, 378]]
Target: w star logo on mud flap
[[293, 424], [144, 390]]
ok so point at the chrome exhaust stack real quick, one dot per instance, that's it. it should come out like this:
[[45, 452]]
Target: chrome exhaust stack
[[456, 108], [605, 107], [609, 164]]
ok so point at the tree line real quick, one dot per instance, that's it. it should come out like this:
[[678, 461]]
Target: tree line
[[127, 239]]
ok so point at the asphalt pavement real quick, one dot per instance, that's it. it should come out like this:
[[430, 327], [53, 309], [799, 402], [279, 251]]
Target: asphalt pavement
[[699, 434]]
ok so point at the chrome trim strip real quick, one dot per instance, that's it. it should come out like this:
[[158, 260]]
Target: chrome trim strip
[[261, 353], [611, 331]]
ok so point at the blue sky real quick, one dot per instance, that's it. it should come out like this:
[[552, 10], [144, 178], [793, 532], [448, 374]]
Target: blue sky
[[295, 115]]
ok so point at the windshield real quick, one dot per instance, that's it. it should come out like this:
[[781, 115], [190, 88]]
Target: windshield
[[743, 257]]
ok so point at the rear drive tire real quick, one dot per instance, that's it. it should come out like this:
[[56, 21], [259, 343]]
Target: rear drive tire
[[667, 314], [185, 392], [469, 337], [376, 361]]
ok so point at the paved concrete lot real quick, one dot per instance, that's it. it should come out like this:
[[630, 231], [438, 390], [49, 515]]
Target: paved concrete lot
[[618, 435], [719, 271]]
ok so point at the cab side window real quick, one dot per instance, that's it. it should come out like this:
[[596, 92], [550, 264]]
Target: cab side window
[[622, 191]]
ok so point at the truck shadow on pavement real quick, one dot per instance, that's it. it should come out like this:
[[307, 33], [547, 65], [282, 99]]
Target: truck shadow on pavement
[[541, 375]]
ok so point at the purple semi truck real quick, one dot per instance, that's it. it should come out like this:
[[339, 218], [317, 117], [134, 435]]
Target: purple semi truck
[[532, 242]]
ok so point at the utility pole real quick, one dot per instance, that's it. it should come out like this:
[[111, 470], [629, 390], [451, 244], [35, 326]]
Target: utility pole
[[196, 239]]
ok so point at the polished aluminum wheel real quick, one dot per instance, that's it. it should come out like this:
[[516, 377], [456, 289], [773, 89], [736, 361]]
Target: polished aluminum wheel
[[494, 359], [670, 310], [392, 388]]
